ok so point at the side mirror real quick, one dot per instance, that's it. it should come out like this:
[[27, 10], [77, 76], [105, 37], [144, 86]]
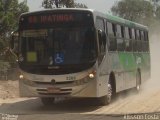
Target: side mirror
[[102, 37], [14, 42]]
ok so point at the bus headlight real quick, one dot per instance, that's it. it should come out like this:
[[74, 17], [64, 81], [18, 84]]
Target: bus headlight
[[85, 80], [91, 75], [21, 76], [26, 81]]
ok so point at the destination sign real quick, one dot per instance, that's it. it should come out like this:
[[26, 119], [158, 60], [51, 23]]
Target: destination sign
[[55, 19], [51, 18]]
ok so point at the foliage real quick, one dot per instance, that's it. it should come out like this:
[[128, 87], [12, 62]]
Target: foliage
[[10, 11], [9, 14], [62, 3], [141, 11], [80, 5], [4, 66], [157, 13]]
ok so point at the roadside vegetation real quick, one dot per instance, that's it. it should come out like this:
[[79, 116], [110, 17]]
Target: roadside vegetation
[[10, 11], [146, 12]]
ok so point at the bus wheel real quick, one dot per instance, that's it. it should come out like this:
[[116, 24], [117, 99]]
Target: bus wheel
[[47, 101], [110, 92], [105, 100], [138, 81]]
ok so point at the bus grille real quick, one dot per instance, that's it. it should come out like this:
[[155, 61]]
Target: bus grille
[[64, 91], [50, 83], [68, 93]]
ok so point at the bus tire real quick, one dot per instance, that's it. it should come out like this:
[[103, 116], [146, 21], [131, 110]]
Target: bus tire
[[138, 81], [105, 100], [47, 101]]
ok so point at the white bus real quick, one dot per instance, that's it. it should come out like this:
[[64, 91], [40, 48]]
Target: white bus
[[80, 53]]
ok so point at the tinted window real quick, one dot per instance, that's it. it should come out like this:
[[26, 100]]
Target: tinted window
[[120, 39], [133, 33], [100, 24], [119, 33], [126, 33], [128, 41], [112, 36], [145, 44], [130, 33], [122, 31], [114, 28], [109, 28]]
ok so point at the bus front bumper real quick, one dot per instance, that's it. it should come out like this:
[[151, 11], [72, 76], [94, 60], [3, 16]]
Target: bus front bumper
[[42, 89]]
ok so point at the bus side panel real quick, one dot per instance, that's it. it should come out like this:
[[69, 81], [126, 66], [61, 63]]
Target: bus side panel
[[117, 68], [127, 60], [143, 62], [110, 63]]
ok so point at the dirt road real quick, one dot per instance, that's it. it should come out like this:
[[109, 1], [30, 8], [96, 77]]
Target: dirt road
[[147, 101]]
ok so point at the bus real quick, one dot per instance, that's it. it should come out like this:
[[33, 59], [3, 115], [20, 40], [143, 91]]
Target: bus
[[80, 53]]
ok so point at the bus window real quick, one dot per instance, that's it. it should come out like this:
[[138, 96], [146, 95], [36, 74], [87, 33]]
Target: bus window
[[146, 43], [120, 40], [139, 41], [145, 36], [122, 31], [128, 42], [142, 40], [109, 29], [126, 33], [133, 33], [137, 35], [106, 28], [100, 24], [142, 35], [119, 33], [134, 42], [102, 39], [112, 39], [130, 33], [114, 28]]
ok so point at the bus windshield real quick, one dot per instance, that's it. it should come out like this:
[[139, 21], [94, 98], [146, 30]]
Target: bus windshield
[[65, 47]]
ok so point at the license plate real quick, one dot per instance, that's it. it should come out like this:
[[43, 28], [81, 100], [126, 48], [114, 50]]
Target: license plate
[[53, 90]]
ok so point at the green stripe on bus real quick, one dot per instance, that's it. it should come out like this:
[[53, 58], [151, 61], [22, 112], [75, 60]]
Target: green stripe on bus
[[127, 61], [132, 61]]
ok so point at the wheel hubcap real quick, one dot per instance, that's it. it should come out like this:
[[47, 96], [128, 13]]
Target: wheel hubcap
[[138, 82], [109, 92], [138, 87]]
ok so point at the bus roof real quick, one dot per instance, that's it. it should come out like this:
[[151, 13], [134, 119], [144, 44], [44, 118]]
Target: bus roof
[[124, 21], [109, 17], [120, 20], [58, 9]]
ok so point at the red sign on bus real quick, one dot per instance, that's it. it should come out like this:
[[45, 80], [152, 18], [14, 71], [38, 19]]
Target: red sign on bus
[[51, 18]]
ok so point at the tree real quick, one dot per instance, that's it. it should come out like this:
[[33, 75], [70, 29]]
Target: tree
[[80, 5], [157, 13], [10, 11], [9, 14], [62, 3], [140, 11]]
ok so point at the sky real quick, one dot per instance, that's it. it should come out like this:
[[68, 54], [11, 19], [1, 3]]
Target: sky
[[100, 5]]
